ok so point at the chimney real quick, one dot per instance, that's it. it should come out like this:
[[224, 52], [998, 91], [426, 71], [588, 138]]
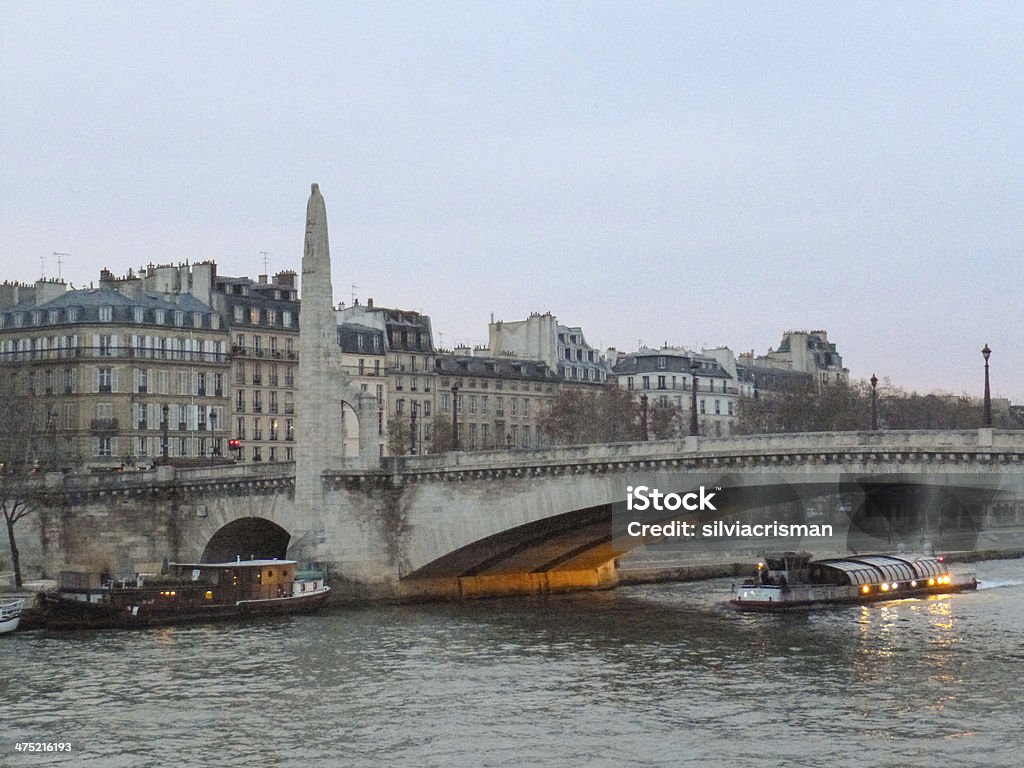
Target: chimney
[[369, 303]]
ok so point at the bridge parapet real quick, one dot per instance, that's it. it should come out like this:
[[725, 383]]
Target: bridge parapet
[[896, 447]]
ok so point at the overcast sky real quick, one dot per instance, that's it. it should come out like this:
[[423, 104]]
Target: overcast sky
[[696, 173]]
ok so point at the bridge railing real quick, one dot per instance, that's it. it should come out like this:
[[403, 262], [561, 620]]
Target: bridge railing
[[792, 442]]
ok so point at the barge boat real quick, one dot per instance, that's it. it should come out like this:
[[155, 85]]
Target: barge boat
[[10, 614], [794, 580], [187, 593]]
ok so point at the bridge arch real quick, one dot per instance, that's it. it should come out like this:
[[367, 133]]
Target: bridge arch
[[247, 537]]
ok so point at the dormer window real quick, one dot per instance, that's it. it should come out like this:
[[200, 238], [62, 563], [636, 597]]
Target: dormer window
[[179, 318], [140, 315], [54, 316], [159, 316], [197, 319], [106, 314]]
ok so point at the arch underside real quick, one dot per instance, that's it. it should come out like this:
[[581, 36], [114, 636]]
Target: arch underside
[[246, 538], [588, 538]]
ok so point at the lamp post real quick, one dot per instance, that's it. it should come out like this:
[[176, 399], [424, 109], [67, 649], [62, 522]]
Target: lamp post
[[985, 352], [643, 417], [694, 367], [508, 441], [213, 436], [874, 402], [412, 429], [163, 425], [455, 417]]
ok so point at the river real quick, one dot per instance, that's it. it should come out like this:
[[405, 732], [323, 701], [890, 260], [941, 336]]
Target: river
[[641, 676]]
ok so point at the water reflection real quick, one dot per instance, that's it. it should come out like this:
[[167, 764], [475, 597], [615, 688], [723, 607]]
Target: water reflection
[[648, 675]]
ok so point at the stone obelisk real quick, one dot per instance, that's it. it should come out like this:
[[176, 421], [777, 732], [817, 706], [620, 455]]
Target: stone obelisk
[[318, 419]]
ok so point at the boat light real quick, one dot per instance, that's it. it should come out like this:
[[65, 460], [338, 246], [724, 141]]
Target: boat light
[[931, 582], [209, 595], [865, 589], [913, 583], [885, 587], [894, 585]]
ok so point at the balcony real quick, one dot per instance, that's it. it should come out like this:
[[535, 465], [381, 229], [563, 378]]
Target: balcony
[[103, 425]]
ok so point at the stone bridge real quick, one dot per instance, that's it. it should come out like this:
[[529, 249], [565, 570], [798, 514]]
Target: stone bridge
[[500, 522]]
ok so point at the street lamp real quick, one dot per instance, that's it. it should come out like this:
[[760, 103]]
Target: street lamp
[[455, 417], [213, 436], [694, 428], [874, 402], [412, 428], [985, 352], [643, 417], [508, 440], [163, 447]]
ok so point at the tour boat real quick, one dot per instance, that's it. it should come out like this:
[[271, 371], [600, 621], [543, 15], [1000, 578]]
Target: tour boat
[[793, 580], [186, 593], [10, 614]]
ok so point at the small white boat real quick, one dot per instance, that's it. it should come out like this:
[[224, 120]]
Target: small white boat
[[10, 614], [793, 580]]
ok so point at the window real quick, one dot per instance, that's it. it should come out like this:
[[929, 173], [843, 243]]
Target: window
[[106, 314], [179, 317], [159, 316], [646, 381], [661, 382], [105, 345], [104, 379], [254, 315]]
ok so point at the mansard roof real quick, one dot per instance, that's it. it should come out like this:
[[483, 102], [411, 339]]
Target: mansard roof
[[493, 367], [663, 361]]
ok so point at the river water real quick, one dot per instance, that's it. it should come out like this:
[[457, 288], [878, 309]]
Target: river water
[[641, 676]]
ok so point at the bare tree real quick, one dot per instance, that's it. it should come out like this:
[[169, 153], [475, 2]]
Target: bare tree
[[803, 407], [29, 445], [607, 415]]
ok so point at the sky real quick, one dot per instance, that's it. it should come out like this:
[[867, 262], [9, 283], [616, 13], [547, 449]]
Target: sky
[[700, 174]]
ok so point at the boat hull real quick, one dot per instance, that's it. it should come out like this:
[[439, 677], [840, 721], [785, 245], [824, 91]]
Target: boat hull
[[10, 615], [59, 611], [804, 596]]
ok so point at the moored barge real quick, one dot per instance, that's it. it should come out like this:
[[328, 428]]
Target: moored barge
[[794, 580], [187, 593], [10, 614]]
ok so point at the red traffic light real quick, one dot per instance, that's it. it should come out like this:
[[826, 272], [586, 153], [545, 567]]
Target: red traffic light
[[234, 444]]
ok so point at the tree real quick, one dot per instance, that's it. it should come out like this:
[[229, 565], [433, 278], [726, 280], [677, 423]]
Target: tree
[[399, 433], [607, 415], [668, 421], [29, 446], [803, 407], [441, 435]]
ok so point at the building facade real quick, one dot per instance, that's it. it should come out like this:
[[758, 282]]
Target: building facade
[[806, 352], [563, 348], [119, 375], [666, 377]]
